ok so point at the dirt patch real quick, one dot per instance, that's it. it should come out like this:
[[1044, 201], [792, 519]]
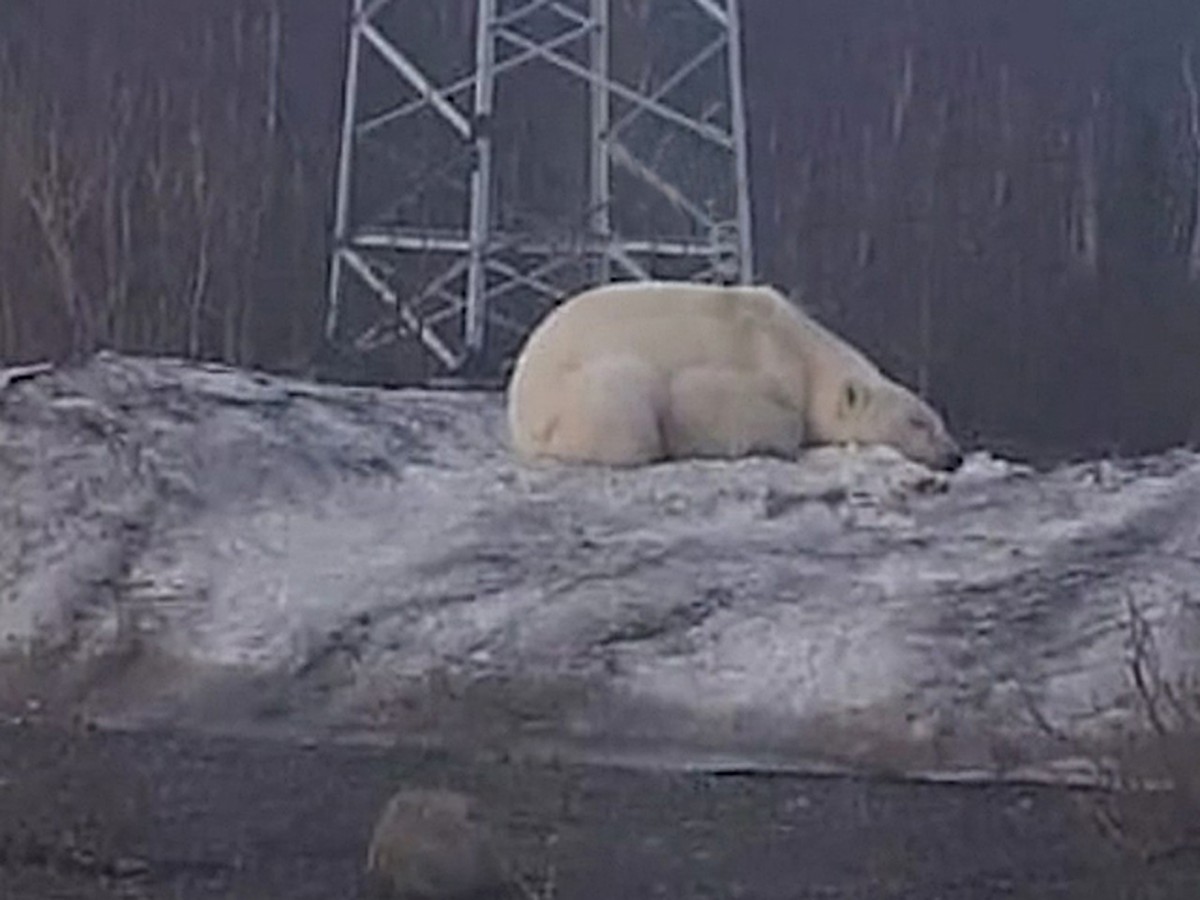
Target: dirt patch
[[87, 814]]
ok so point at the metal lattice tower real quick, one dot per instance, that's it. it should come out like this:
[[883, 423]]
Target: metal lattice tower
[[446, 232]]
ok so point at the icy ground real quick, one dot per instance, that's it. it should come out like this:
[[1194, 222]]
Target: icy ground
[[213, 547]]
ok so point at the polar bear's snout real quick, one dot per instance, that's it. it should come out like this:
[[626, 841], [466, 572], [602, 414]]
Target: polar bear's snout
[[951, 461], [926, 439]]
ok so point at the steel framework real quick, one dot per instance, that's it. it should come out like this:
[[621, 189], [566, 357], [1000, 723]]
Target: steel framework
[[437, 234]]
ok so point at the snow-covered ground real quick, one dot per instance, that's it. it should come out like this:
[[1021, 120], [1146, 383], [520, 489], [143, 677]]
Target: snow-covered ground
[[259, 549]]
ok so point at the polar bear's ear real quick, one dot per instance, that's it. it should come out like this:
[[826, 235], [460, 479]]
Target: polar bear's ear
[[854, 397]]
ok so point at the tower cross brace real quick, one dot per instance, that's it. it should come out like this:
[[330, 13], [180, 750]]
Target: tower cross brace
[[431, 241]]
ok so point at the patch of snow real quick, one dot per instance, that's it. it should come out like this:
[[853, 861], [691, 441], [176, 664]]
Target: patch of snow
[[848, 607]]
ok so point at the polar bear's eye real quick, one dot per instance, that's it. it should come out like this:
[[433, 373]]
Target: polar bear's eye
[[918, 423]]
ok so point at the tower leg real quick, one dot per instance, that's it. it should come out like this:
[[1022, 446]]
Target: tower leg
[[737, 102], [656, 173], [479, 234], [600, 172], [341, 216]]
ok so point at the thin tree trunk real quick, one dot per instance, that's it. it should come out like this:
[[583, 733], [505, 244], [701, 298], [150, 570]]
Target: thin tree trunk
[[902, 96], [202, 207], [274, 46], [59, 198], [1086, 226], [1189, 82]]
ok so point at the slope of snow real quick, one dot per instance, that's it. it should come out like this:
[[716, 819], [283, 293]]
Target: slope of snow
[[257, 547]]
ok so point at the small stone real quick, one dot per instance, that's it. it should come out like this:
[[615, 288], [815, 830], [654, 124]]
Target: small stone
[[130, 867], [434, 845]]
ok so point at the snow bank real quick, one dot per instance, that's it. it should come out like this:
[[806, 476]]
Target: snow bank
[[259, 549]]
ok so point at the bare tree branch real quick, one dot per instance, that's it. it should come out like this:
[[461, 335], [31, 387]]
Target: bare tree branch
[[903, 95], [59, 191]]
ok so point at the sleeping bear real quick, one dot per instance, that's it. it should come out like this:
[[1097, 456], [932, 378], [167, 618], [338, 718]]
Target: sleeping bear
[[639, 372]]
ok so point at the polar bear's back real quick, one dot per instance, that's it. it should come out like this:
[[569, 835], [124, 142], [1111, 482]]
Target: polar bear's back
[[640, 334], [674, 324]]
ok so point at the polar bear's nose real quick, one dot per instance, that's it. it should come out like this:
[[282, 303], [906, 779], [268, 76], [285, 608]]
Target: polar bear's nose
[[952, 461]]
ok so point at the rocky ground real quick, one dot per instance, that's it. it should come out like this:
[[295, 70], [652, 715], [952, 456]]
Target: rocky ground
[[97, 816]]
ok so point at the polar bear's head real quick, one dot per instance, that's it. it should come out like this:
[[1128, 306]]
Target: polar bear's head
[[883, 412]]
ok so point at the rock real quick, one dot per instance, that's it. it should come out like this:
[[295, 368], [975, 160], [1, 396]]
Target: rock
[[435, 845], [129, 867]]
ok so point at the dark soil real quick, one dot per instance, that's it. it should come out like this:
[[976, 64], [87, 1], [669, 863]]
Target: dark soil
[[88, 814]]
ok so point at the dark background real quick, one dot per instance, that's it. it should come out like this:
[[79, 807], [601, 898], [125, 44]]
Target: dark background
[[998, 201]]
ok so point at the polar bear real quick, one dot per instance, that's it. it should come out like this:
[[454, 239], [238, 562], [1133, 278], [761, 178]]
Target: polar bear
[[633, 373]]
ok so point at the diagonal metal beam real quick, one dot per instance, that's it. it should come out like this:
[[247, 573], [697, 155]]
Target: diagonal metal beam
[[568, 13], [457, 87], [516, 278], [714, 10], [674, 81], [539, 272], [708, 132], [438, 283], [621, 255], [453, 307], [672, 194], [427, 335], [414, 76]]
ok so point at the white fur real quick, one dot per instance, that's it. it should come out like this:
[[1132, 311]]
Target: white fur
[[635, 372]]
